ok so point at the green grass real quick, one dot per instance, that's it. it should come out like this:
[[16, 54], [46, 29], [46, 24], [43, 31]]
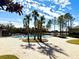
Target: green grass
[[75, 41], [8, 57]]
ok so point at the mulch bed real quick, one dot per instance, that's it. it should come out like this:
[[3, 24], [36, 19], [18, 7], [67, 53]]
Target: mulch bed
[[32, 40]]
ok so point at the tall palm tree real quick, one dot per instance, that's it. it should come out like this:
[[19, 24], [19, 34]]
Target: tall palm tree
[[68, 21], [61, 23], [26, 22], [35, 15], [40, 27], [11, 6], [54, 22], [15, 7], [48, 25], [4, 3]]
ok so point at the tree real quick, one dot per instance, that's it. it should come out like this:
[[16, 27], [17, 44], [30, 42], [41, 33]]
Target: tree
[[26, 22], [4, 3], [48, 25], [15, 8], [54, 22], [11, 6], [35, 15], [61, 23], [68, 20], [40, 27]]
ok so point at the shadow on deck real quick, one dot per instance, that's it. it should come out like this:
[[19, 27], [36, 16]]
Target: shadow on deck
[[48, 49]]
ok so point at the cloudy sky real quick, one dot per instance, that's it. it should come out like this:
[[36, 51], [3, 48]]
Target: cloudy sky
[[49, 8]]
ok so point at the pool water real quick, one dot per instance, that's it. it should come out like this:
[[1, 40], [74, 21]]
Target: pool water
[[23, 36], [26, 36]]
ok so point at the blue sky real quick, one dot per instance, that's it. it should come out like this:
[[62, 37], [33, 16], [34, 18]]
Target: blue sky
[[49, 8]]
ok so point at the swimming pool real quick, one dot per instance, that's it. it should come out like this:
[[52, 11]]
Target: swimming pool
[[31, 36]]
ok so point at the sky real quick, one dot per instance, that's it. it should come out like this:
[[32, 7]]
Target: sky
[[49, 8]]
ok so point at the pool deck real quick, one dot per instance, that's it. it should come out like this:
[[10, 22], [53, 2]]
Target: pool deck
[[55, 48]]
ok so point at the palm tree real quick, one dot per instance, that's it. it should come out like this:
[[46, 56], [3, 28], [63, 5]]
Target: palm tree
[[4, 3], [26, 22], [35, 15], [68, 21], [14, 7], [11, 6], [40, 27], [48, 25], [61, 23], [54, 22]]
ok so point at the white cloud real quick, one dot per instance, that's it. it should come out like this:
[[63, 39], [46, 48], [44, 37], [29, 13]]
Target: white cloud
[[47, 10], [62, 3], [69, 8], [46, 16], [16, 24], [60, 12], [53, 6], [44, 0], [76, 23], [17, 0], [27, 11], [2, 11], [42, 7]]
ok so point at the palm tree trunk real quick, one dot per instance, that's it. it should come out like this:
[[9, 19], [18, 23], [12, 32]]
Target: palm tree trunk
[[41, 32], [40, 37], [71, 24], [34, 37], [35, 34], [66, 31], [54, 25], [68, 28], [28, 39], [35, 30], [28, 35], [60, 30]]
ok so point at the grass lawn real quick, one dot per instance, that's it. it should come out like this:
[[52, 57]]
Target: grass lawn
[[8, 57], [32, 40], [74, 41]]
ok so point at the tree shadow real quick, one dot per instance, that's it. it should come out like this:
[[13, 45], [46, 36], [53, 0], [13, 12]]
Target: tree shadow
[[49, 50], [29, 46]]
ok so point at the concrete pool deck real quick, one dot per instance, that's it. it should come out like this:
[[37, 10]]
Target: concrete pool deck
[[55, 48]]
